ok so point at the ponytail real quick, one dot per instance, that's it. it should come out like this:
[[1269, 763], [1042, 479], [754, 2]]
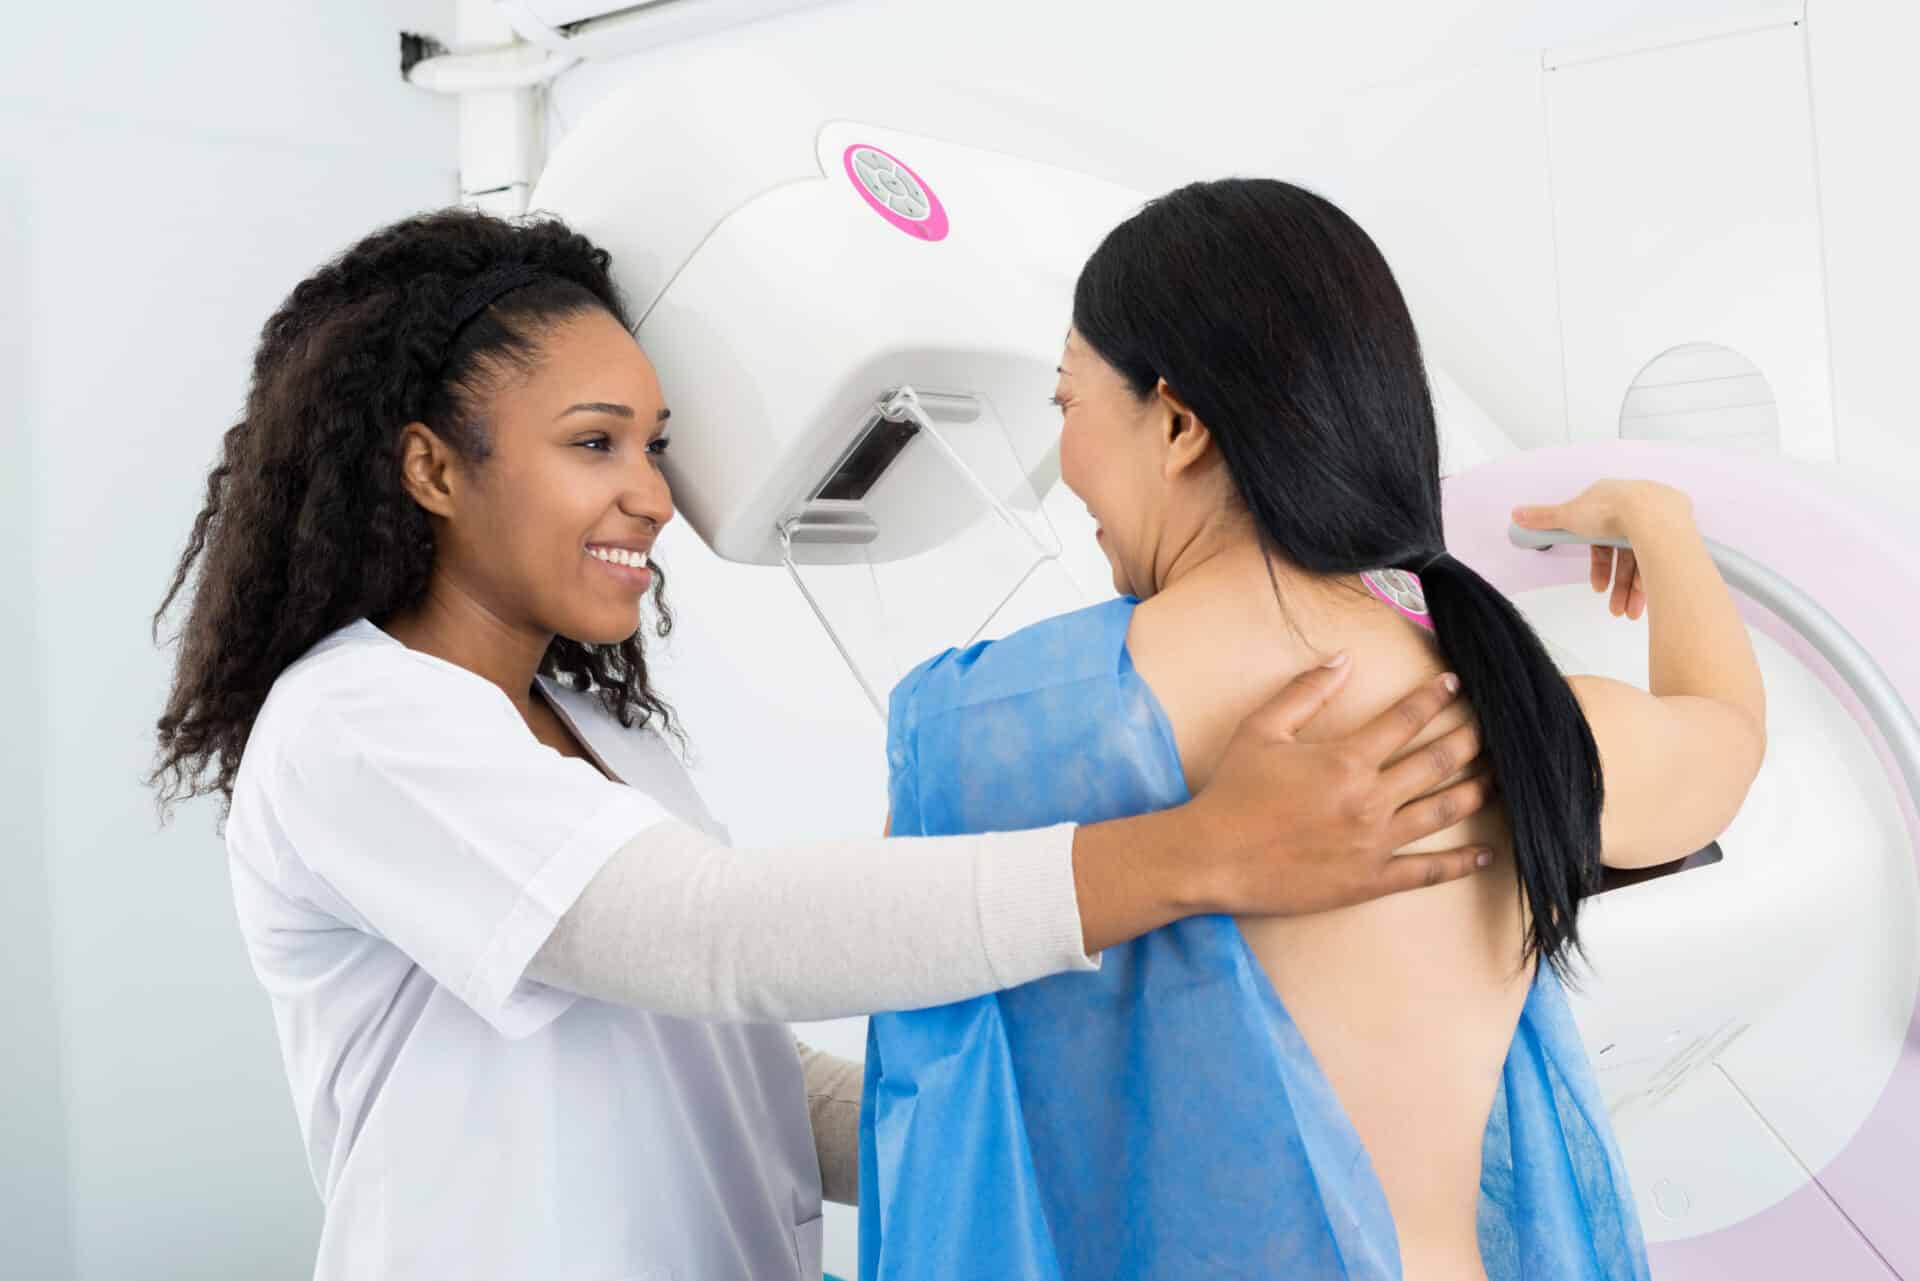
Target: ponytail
[[1537, 742], [1276, 318]]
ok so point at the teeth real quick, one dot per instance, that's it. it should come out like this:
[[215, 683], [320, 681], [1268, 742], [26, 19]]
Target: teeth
[[619, 556]]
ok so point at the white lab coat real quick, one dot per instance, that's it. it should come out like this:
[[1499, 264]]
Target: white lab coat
[[401, 846]]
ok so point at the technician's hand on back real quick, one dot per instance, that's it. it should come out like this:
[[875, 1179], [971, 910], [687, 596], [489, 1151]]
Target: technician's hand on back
[[411, 665], [1286, 827]]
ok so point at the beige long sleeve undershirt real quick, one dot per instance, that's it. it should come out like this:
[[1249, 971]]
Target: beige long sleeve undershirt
[[679, 923], [833, 1106]]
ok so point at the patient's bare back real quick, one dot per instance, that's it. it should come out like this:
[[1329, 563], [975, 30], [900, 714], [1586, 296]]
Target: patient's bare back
[[1409, 1002]]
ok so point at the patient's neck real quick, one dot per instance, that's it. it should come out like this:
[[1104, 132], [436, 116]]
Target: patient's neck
[[1221, 545], [1226, 561], [1217, 639]]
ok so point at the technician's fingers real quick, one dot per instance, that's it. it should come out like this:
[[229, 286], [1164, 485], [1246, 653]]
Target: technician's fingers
[[1419, 819], [1384, 737], [1283, 715], [1418, 871], [1427, 768]]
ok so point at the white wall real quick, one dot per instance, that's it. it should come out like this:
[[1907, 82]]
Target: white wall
[[33, 1137], [1682, 217], [171, 172], [1866, 111]]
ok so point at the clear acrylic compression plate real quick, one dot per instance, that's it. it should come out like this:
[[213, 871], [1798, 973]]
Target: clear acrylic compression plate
[[921, 531]]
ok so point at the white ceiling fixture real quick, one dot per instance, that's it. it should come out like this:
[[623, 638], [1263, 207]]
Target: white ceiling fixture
[[609, 28], [505, 53]]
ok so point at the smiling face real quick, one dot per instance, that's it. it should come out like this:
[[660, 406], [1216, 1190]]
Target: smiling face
[[1111, 458], [550, 532], [1145, 466]]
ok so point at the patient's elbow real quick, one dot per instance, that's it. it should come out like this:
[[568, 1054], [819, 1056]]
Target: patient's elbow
[[1736, 748], [1742, 750], [1751, 744]]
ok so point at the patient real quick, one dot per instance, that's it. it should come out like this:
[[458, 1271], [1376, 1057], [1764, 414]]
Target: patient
[[1385, 1091]]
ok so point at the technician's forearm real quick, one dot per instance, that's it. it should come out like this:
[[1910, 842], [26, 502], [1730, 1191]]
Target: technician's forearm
[[678, 923], [1134, 875]]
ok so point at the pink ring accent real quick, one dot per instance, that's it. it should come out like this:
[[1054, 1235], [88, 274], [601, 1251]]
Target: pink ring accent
[[931, 228]]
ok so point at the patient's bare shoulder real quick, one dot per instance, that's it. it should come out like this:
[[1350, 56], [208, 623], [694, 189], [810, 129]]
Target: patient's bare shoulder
[[1210, 662]]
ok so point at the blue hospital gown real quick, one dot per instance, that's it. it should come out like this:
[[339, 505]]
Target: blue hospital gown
[[1161, 1118]]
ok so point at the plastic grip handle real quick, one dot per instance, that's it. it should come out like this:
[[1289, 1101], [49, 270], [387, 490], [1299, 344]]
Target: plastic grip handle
[[1541, 539]]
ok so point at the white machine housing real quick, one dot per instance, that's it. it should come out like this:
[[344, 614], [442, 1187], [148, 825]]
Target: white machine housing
[[780, 304], [806, 306]]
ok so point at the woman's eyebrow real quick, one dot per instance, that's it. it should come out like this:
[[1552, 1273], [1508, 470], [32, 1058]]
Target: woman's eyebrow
[[597, 407], [604, 407]]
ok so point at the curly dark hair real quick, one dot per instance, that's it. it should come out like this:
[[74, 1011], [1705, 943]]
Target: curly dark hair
[[306, 526]]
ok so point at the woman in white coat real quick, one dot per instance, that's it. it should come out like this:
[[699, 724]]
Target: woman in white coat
[[529, 1001]]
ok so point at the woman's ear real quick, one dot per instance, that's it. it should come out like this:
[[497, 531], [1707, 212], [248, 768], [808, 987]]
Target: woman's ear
[[426, 466], [1188, 442]]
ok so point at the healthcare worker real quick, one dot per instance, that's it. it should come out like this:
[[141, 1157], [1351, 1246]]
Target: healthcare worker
[[529, 1002]]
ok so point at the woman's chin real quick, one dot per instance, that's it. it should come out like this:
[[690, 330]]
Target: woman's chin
[[602, 629]]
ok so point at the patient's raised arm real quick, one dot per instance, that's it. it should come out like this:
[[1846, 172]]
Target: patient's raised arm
[[1677, 759]]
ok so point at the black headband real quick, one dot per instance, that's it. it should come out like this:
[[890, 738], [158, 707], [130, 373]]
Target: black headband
[[487, 289]]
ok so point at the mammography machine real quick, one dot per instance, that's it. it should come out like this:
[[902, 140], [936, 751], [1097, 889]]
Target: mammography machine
[[874, 316]]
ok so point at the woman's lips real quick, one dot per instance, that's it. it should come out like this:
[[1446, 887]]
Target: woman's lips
[[638, 579], [635, 577]]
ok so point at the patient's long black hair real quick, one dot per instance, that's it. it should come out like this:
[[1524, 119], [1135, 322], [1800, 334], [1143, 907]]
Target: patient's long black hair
[[1275, 317]]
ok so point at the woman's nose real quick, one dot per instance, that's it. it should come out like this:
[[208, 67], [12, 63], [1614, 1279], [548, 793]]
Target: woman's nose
[[647, 494]]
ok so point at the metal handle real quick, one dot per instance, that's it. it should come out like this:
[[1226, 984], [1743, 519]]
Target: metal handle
[[1890, 713]]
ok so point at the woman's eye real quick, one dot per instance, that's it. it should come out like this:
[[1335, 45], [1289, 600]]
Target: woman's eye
[[599, 444], [1057, 402], [658, 446]]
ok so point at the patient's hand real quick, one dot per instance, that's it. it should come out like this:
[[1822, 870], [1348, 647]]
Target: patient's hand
[[1306, 827], [1617, 568], [1609, 509]]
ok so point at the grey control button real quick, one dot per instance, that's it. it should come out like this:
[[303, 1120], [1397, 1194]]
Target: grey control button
[[891, 185]]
